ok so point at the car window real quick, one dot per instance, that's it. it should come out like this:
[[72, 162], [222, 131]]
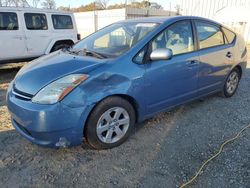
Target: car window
[[36, 21], [209, 35], [140, 56], [8, 21], [229, 35], [177, 37], [62, 22], [116, 39]]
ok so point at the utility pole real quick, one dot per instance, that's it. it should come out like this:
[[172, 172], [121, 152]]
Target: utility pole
[[148, 6], [95, 17], [170, 7]]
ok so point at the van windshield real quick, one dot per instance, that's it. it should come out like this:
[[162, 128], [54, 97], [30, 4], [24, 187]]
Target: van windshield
[[114, 40]]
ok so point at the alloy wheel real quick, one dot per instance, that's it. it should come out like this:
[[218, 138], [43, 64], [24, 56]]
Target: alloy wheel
[[113, 125], [232, 82]]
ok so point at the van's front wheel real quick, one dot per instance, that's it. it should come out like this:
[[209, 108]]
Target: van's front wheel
[[110, 123]]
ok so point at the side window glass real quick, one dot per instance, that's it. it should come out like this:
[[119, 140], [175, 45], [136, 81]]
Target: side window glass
[[140, 56], [209, 35], [36, 21], [229, 35], [8, 21], [177, 37], [62, 22]]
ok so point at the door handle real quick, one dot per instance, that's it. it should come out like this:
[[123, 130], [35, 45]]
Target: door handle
[[229, 54], [192, 63]]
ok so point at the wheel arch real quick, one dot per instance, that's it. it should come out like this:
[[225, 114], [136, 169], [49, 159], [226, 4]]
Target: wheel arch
[[239, 69], [128, 98], [57, 42]]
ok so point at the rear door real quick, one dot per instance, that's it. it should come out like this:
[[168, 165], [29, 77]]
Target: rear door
[[37, 33], [216, 56], [12, 42]]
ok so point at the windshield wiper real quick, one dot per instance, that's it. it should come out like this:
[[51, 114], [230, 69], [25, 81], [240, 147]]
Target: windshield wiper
[[96, 54], [89, 53]]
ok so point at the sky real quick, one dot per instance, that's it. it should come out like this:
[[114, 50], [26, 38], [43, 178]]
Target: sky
[[77, 3]]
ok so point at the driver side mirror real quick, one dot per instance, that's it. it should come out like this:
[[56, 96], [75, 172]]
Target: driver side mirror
[[161, 54]]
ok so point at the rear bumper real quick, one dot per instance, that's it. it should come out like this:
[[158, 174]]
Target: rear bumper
[[47, 125]]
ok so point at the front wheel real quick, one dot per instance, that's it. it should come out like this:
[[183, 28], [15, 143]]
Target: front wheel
[[232, 83], [110, 123]]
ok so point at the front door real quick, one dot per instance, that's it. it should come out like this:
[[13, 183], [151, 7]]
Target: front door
[[172, 82]]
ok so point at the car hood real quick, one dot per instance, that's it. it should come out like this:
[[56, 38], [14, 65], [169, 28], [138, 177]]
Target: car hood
[[42, 71]]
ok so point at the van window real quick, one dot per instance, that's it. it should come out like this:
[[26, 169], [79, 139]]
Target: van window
[[177, 37], [62, 22], [35, 21], [229, 35], [8, 21], [209, 35]]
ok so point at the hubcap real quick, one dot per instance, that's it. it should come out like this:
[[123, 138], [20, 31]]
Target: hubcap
[[113, 125], [232, 82]]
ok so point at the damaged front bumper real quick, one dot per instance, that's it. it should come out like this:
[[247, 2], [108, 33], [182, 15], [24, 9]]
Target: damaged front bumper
[[55, 125]]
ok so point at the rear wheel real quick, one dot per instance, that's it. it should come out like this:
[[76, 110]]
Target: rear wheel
[[110, 123], [231, 83]]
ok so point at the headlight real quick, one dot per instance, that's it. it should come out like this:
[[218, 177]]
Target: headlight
[[58, 89]]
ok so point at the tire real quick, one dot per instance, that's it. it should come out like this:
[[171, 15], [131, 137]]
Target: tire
[[105, 128], [59, 46], [231, 83]]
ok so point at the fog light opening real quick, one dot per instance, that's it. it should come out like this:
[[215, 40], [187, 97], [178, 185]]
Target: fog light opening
[[63, 142]]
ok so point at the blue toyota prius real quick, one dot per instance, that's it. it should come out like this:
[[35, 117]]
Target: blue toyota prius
[[123, 74]]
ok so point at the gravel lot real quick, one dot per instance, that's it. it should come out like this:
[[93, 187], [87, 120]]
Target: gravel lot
[[164, 151]]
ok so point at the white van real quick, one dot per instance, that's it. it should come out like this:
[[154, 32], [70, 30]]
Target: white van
[[27, 33]]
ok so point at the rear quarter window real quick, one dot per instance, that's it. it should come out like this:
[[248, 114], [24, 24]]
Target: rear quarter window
[[230, 36], [35, 21], [62, 22], [8, 21]]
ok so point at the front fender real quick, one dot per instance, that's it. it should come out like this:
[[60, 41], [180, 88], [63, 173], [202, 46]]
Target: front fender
[[104, 85]]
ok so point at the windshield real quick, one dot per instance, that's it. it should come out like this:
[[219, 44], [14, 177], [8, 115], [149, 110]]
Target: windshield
[[114, 40]]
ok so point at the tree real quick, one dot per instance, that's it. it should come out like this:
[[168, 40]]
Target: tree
[[178, 9], [17, 3], [49, 4], [116, 6], [89, 7], [102, 3], [35, 3], [155, 6], [64, 8]]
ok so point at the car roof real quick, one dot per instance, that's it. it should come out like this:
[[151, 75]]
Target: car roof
[[161, 20], [30, 9]]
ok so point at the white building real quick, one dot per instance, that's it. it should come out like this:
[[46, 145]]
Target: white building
[[89, 22], [233, 13]]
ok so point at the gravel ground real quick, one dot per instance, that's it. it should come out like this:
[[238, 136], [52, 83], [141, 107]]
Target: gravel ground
[[164, 151]]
